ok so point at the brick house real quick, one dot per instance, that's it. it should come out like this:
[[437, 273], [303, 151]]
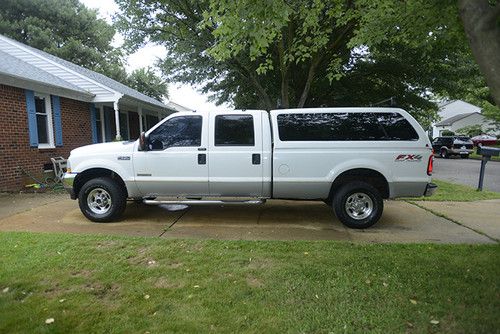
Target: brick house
[[49, 106]]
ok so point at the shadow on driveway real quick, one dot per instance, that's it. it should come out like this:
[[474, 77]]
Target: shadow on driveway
[[276, 220]]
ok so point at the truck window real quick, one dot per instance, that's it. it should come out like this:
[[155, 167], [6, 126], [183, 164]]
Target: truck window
[[344, 126], [177, 131], [234, 130]]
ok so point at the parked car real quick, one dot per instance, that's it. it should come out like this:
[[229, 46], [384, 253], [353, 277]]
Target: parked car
[[447, 146], [351, 158], [484, 140]]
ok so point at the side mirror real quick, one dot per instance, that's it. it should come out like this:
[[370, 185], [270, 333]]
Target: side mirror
[[143, 142]]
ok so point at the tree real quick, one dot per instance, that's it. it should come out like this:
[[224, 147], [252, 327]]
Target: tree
[[264, 54], [481, 20], [71, 31], [64, 28], [147, 82], [471, 130]]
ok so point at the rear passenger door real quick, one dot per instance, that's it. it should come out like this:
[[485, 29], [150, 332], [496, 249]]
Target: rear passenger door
[[235, 154]]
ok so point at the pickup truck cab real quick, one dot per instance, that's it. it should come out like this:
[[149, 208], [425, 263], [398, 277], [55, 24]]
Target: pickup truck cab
[[350, 158]]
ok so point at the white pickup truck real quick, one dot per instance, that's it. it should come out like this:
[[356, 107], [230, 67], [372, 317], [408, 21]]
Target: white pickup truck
[[350, 158]]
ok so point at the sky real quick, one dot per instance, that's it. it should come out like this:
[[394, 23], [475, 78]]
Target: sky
[[146, 56]]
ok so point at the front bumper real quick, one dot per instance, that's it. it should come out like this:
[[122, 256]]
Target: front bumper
[[430, 189], [67, 181]]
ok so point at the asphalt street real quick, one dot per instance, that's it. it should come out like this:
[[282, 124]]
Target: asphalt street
[[466, 171]]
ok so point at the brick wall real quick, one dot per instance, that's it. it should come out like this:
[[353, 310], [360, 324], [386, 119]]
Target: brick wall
[[14, 137]]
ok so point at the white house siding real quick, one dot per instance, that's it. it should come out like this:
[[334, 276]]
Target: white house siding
[[451, 109]]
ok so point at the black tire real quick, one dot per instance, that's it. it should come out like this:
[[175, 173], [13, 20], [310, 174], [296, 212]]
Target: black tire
[[107, 187], [464, 156], [444, 153], [344, 194]]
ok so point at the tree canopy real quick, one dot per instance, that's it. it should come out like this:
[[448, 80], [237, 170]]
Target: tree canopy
[[309, 53], [71, 31], [146, 81]]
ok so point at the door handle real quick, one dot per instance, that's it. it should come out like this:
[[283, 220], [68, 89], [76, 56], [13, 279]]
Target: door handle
[[202, 159], [256, 159]]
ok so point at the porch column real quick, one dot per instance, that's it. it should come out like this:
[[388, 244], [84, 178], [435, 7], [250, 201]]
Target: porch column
[[141, 126], [117, 121]]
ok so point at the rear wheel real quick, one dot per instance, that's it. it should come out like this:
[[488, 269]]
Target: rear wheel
[[102, 200], [358, 205], [443, 153]]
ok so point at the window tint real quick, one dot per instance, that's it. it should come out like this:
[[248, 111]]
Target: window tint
[[234, 130], [344, 126], [177, 131]]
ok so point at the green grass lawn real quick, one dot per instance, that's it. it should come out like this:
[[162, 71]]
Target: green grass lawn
[[91, 284], [448, 191]]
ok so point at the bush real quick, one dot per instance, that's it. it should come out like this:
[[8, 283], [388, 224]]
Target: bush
[[471, 130], [447, 133]]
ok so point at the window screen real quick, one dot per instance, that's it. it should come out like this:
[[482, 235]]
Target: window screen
[[344, 126], [177, 131], [234, 130]]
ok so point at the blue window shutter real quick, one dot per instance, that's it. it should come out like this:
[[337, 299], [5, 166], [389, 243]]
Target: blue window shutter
[[93, 123], [56, 108], [32, 127]]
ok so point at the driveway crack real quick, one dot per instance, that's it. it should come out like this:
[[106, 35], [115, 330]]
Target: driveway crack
[[435, 213]]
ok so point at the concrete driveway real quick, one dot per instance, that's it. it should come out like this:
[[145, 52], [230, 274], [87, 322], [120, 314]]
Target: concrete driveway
[[276, 220]]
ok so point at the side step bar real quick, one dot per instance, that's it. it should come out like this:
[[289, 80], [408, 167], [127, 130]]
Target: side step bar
[[205, 202]]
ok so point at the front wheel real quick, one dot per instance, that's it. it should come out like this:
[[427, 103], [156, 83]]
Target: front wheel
[[444, 153], [358, 205], [102, 200]]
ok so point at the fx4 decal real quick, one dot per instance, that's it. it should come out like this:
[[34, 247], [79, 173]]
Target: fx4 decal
[[409, 157]]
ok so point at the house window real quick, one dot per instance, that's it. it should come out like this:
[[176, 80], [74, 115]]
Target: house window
[[151, 121], [44, 121]]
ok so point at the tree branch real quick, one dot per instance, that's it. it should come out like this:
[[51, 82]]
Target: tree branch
[[249, 74]]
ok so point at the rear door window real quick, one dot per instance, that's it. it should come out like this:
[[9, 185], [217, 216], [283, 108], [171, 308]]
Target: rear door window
[[234, 130]]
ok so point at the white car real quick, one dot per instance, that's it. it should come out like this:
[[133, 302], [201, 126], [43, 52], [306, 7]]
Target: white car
[[351, 158]]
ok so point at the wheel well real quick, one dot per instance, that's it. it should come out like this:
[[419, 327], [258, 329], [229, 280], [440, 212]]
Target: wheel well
[[370, 176], [93, 173]]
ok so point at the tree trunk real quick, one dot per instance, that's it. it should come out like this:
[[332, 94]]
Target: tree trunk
[[285, 101], [310, 76], [250, 74], [480, 21]]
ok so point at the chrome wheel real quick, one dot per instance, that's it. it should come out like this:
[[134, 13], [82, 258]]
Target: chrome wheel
[[99, 201], [359, 206]]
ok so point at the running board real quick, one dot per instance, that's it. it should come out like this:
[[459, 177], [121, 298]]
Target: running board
[[205, 202]]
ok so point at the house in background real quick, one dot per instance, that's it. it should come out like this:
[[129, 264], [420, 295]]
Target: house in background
[[49, 106], [456, 114]]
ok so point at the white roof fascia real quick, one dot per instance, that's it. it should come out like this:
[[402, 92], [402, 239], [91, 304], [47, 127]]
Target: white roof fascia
[[20, 46], [37, 86]]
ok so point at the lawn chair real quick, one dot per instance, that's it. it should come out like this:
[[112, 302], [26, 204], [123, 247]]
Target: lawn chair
[[60, 165]]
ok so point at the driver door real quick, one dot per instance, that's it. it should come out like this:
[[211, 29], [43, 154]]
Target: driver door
[[176, 163]]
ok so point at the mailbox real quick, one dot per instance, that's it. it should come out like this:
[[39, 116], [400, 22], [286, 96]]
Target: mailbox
[[487, 152]]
